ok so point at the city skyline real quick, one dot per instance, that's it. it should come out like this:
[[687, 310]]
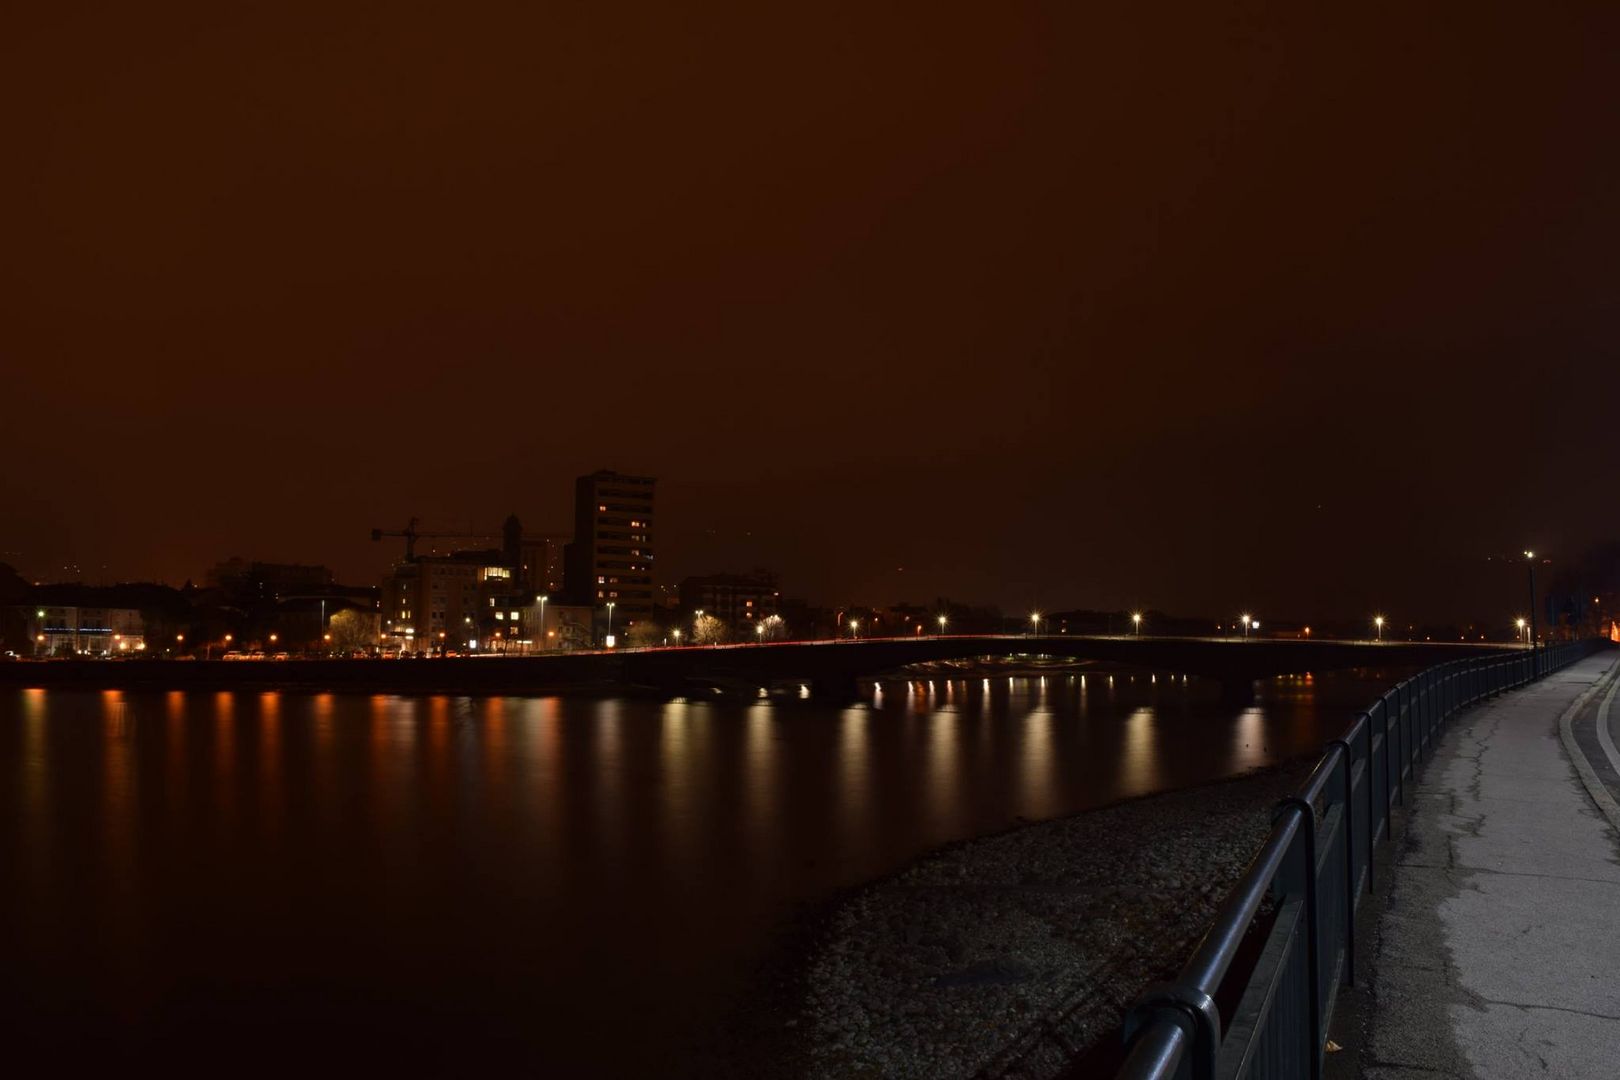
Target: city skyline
[[1488, 583], [1180, 321]]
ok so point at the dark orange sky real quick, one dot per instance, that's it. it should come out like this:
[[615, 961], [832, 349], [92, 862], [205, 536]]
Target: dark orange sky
[[1189, 305]]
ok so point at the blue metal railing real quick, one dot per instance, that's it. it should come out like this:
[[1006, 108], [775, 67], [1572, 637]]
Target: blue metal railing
[[1292, 915]]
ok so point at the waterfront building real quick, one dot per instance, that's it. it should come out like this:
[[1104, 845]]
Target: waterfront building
[[439, 601], [738, 600], [611, 558], [71, 630]]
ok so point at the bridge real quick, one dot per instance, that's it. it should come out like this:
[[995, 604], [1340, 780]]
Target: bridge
[[831, 669]]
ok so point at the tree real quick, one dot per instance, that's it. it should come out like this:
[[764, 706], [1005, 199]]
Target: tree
[[352, 631], [644, 633], [774, 628], [708, 630]]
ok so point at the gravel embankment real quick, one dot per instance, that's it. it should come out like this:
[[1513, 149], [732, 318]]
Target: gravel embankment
[[1003, 957]]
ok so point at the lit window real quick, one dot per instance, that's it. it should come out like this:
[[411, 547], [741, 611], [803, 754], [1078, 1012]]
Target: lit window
[[500, 615]]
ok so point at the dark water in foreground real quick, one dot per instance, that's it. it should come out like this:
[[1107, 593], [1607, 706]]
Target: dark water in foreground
[[231, 883]]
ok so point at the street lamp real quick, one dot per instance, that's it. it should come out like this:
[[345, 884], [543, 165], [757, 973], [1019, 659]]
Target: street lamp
[[1034, 622], [676, 634], [543, 599], [1136, 618], [1378, 624], [942, 621], [610, 624], [1520, 623], [759, 628], [1244, 619], [1530, 559], [854, 629]]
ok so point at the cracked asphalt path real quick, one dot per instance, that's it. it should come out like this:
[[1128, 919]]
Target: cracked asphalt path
[[1498, 955]]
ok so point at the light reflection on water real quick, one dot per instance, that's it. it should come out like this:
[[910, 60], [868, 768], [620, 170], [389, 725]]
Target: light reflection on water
[[416, 880]]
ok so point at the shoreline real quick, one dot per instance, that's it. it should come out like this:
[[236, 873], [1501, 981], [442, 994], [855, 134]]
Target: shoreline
[[1010, 954]]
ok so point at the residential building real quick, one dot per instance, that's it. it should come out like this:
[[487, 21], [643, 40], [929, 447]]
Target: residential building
[[738, 600], [439, 600], [611, 558]]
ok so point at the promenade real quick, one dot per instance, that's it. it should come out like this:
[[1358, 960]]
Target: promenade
[[1497, 954]]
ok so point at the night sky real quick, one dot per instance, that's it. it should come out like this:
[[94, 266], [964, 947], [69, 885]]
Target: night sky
[[1198, 306]]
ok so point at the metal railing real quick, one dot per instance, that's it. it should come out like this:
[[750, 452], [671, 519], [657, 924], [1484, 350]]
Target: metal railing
[[1284, 940]]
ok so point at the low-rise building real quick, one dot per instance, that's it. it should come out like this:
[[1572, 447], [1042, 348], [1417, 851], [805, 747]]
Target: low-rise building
[[738, 600], [72, 630]]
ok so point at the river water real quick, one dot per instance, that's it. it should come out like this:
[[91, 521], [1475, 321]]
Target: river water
[[272, 882]]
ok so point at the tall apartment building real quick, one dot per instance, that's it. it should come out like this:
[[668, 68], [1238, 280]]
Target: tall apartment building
[[611, 557]]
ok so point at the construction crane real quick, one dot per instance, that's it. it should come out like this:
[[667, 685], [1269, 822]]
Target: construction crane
[[412, 534]]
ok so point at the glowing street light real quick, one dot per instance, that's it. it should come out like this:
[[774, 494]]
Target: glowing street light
[[1034, 622], [942, 621], [854, 629], [543, 598], [759, 628], [610, 606], [1136, 618], [1530, 559], [1378, 623], [1521, 624], [1244, 619], [676, 634]]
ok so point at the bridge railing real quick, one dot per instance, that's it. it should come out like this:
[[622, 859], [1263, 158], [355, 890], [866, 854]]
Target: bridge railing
[[1283, 941]]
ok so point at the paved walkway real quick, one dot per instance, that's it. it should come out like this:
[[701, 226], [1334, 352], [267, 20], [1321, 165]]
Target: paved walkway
[[1498, 954]]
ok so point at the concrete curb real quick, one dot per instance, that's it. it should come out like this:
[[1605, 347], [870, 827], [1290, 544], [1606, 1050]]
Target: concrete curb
[[1589, 778]]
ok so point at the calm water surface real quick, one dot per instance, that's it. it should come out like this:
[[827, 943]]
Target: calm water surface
[[261, 882]]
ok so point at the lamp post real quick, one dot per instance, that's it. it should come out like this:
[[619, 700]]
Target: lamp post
[[1136, 619], [543, 599], [676, 634], [1034, 623], [1378, 625], [610, 624], [942, 621], [854, 629], [1244, 619], [759, 628], [1530, 560], [1519, 626]]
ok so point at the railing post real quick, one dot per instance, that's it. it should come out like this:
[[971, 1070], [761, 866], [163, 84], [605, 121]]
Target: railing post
[[1350, 861], [1365, 720], [1313, 942], [1393, 756]]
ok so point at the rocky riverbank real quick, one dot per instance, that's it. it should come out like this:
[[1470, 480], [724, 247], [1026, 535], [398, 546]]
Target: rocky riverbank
[[1011, 955]]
